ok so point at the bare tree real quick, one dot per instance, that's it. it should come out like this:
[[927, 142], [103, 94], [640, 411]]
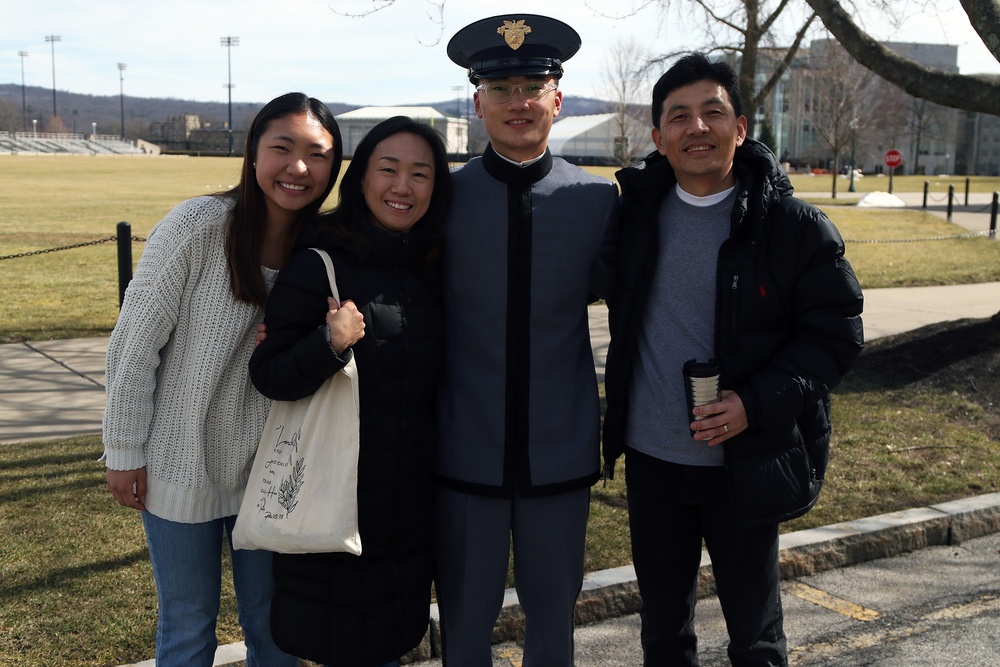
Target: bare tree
[[56, 124], [840, 101], [625, 83], [10, 117], [477, 136], [962, 91], [435, 16], [928, 124], [891, 128], [748, 26]]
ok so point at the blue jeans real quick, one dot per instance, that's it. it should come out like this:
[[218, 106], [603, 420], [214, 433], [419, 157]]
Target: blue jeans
[[672, 508], [187, 567]]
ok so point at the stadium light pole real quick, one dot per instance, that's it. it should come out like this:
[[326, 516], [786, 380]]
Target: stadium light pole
[[229, 43], [53, 39], [121, 89], [24, 103]]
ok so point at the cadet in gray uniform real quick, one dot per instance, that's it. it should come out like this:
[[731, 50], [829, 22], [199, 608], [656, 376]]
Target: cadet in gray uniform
[[519, 416]]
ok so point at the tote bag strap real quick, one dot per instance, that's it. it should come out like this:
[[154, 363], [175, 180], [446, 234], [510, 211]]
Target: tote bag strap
[[330, 273]]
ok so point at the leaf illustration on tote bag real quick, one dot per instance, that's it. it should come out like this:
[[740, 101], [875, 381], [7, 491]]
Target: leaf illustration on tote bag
[[289, 489]]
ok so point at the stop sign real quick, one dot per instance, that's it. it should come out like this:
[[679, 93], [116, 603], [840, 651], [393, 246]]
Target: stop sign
[[893, 158]]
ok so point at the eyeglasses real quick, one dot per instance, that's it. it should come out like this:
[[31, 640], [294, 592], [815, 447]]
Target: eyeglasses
[[502, 91]]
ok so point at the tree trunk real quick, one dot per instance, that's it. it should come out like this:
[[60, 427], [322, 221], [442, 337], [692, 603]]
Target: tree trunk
[[748, 65]]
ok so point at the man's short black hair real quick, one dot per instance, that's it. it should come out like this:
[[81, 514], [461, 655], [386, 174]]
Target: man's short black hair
[[691, 69]]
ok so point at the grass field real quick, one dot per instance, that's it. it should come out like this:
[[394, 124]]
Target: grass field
[[54, 201], [916, 421]]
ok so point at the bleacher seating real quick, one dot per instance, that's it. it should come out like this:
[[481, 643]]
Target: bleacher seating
[[45, 142]]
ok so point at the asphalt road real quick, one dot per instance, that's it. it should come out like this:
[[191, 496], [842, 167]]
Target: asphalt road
[[937, 606]]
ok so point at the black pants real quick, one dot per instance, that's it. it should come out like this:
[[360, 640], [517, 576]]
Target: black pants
[[671, 509]]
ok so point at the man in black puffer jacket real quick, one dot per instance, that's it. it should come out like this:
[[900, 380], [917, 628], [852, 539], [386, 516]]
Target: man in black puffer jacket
[[718, 261]]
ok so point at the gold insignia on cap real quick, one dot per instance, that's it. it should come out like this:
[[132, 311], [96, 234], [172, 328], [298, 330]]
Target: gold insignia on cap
[[513, 33]]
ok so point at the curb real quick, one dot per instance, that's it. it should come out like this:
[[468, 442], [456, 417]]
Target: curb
[[612, 593]]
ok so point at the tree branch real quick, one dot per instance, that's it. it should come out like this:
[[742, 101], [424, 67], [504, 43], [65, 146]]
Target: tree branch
[[970, 92], [719, 19], [769, 21], [984, 15], [785, 63], [635, 10], [359, 15], [383, 4]]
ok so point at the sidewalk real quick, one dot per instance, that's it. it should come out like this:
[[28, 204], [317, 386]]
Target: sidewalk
[[51, 389]]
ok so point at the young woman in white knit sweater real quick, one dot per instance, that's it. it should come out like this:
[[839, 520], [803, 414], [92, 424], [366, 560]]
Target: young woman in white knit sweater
[[182, 419]]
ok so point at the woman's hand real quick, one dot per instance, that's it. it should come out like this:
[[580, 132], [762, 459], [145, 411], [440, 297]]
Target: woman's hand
[[347, 324], [128, 487], [261, 334]]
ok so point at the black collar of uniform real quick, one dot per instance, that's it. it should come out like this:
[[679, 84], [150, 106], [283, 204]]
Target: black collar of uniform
[[510, 173]]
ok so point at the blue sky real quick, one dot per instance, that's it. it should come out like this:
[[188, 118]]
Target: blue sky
[[171, 47]]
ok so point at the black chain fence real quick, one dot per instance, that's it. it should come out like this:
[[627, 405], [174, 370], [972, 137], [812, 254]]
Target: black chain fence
[[919, 240], [954, 200], [67, 247], [124, 238]]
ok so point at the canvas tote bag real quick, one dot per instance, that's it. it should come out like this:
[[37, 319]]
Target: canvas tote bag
[[302, 494]]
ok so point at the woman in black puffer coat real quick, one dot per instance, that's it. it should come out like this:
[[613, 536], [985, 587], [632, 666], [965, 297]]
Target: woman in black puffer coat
[[384, 239]]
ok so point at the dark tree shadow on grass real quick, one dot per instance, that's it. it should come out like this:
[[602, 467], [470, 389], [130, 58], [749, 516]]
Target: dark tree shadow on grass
[[939, 352], [60, 577]]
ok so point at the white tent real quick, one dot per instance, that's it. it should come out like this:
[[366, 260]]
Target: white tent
[[356, 124], [590, 137]]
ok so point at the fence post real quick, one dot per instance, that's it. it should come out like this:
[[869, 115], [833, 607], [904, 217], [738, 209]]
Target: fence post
[[951, 198], [927, 186], [967, 179], [993, 215], [124, 259]]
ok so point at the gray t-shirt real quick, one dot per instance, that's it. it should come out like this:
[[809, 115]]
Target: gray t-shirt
[[679, 324]]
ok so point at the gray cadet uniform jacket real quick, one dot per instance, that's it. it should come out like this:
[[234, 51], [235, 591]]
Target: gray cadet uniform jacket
[[526, 249]]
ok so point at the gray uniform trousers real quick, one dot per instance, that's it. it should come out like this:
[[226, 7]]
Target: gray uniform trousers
[[472, 548]]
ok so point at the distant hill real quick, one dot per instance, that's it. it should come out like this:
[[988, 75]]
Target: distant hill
[[78, 111], [572, 106]]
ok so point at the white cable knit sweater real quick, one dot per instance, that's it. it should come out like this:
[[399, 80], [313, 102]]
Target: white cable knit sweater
[[179, 398]]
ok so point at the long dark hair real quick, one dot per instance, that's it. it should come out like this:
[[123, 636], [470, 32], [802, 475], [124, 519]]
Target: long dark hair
[[245, 235], [348, 219]]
